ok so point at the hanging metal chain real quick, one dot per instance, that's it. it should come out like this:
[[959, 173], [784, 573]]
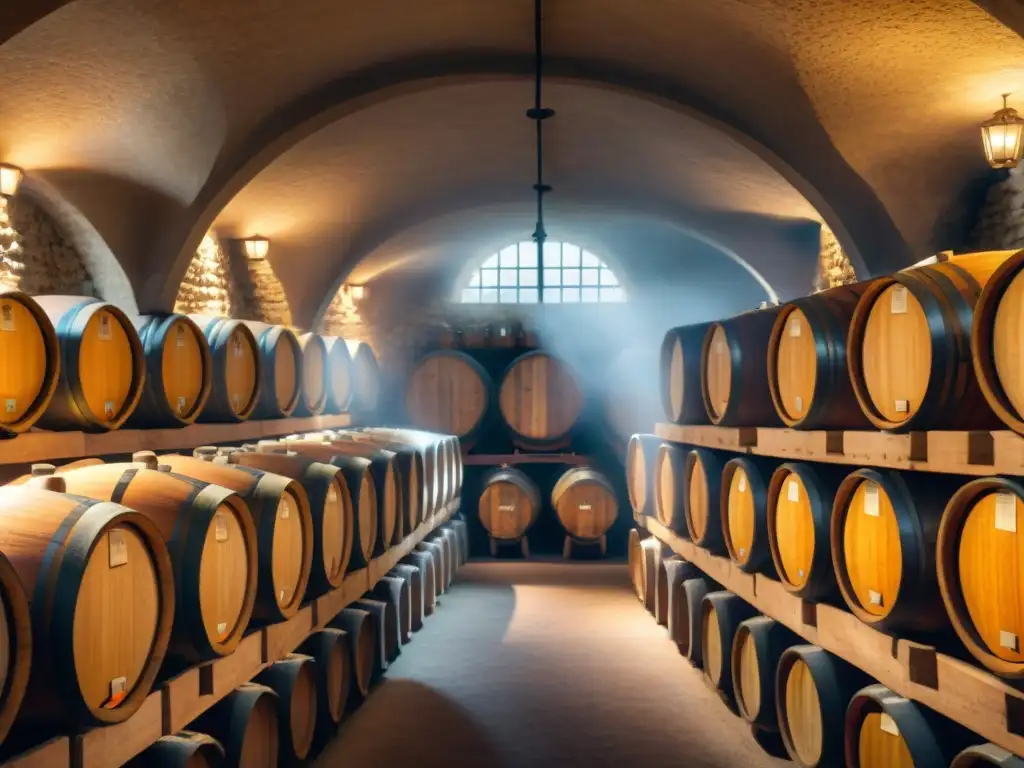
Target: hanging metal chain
[[539, 114]]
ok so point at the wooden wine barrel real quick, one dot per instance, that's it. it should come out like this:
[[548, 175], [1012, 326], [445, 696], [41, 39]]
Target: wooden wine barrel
[[247, 724], [744, 509], [366, 382], [433, 459], [185, 749], [448, 553], [641, 461], [329, 649], [721, 615], [690, 607], [424, 563], [361, 629], [585, 503], [340, 374], [30, 361], [461, 529], [413, 578], [179, 370], [101, 601], [995, 337], [734, 373], [294, 680], [677, 571], [15, 644], [316, 373], [636, 564], [669, 488], [436, 552], [450, 392], [812, 690], [807, 372], [409, 458], [884, 532], [281, 370], [681, 354], [386, 618], [211, 538], [650, 551], [509, 504], [909, 346], [757, 646], [454, 454], [976, 551], [394, 591], [284, 527], [799, 503], [982, 755], [661, 588], [102, 366], [540, 401], [236, 370], [702, 486]]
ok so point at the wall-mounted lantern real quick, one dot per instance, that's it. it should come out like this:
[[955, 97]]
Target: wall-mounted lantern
[[10, 179], [256, 247], [1001, 136]]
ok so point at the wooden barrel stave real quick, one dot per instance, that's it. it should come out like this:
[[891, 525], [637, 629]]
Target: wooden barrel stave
[[981, 755], [30, 358], [247, 724], [641, 462], [669, 487], [235, 369], [329, 649], [681, 353], [702, 484], [362, 632], [449, 392], [721, 615], [281, 368], [586, 504], [744, 513], [339, 374], [185, 749], [316, 382], [540, 401], [758, 644], [509, 504], [294, 680]]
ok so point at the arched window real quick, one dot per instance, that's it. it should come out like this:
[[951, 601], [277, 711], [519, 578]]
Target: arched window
[[565, 274]]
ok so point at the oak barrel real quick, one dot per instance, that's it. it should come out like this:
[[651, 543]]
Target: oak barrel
[[701, 491], [281, 370], [178, 372], [395, 591], [677, 571], [101, 602], [366, 383], [721, 615], [434, 457], [30, 359], [681, 353], [744, 511], [909, 347], [236, 370], [982, 755], [641, 459], [361, 629], [437, 561], [691, 599], [294, 680], [246, 723], [540, 401], [445, 548], [509, 504], [385, 616], [449, 392], [734, 371], [424, 563], [635, 554], [339, 374], [669, 487], [284, 527], [807, 372], [413, 578], [585, 503], [185, 749], [884, 530], [316, 372], [15, 644], [757, 646], [102, 366], [461, 529], [800, 498], [329, 648]]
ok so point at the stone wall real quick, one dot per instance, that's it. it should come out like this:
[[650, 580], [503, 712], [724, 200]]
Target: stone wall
[[258, 291], [1001, 219], [206, 289], [834, 267]]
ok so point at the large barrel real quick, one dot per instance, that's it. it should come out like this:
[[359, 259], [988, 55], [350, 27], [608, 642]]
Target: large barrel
[[995, 342], [211, 539], [293, 679], [721, 615], [102, 366], [540, 401], [669, 487], [236, 371], [281, 369], [681, 354], [101, 601], [284, 535], [316, 382], [362, 645], [185, 749], [366, 383], [909, 346], [29, 362], [449, 392], [977, 562], [509, 504], [884, 529], [641, 459], [329, 648], [339, 374], [585, 503], [702, 484], [15, 642], [799, 503], [807, 371], [178, 372], [744, 510], [734, 373], [982, 755], [246, 723], [757, 646]]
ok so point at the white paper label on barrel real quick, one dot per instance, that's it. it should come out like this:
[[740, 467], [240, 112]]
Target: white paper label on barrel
[[179, 336], [793, 491], [902, 406], [742, 485], [10, 405], [743, 551], [181, 404], [280, 597], [285, 510], [222, 629], [108, 409], [1006, 512], [888, 725], [220, 523], [898, 306], [105, 334], [118, 692], [118, 549], [7, 317], [799, 403], [332, 495], [507, 508], [871, 499], [1008, 640], [875, 598], [794, 326]]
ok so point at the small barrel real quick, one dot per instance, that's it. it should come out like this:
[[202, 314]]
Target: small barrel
[[650, 556], [179, 371], [702, 481], [995, 342], [30, 359], [413, 578], [284, 527], [281, 370], [540, 401], [744, 510], [677, 571], [734, 373], [339, 374], [361, 629], [884, 529], [641, 460], [509, 504], [101, 597], [636, 564], [908, 349], [316, 373], [102, 365], [185, 749], [236, 370], [462, 534], [812, 690], [246, 723], [681, 354], [669, 487], [807, 371], [366, 383], [329, 649], [984, 756], [394, 591], [424, 563], [585, 503], [690, 608], [15, 642], [385, 617], [449, 392], [757, 646], [800, 500], [721, 615], [294, 680]]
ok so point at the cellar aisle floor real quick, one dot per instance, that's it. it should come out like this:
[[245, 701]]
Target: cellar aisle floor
[[542, 664]]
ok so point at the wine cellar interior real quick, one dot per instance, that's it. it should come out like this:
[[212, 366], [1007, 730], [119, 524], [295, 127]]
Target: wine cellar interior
[[511, 383]]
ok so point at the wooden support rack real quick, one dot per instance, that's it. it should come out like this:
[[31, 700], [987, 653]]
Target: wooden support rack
[[182, 699], [978, 700], [497, 459]]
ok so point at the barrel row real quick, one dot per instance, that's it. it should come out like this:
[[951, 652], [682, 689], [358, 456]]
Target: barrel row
[[911, 553], [933, 347]]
